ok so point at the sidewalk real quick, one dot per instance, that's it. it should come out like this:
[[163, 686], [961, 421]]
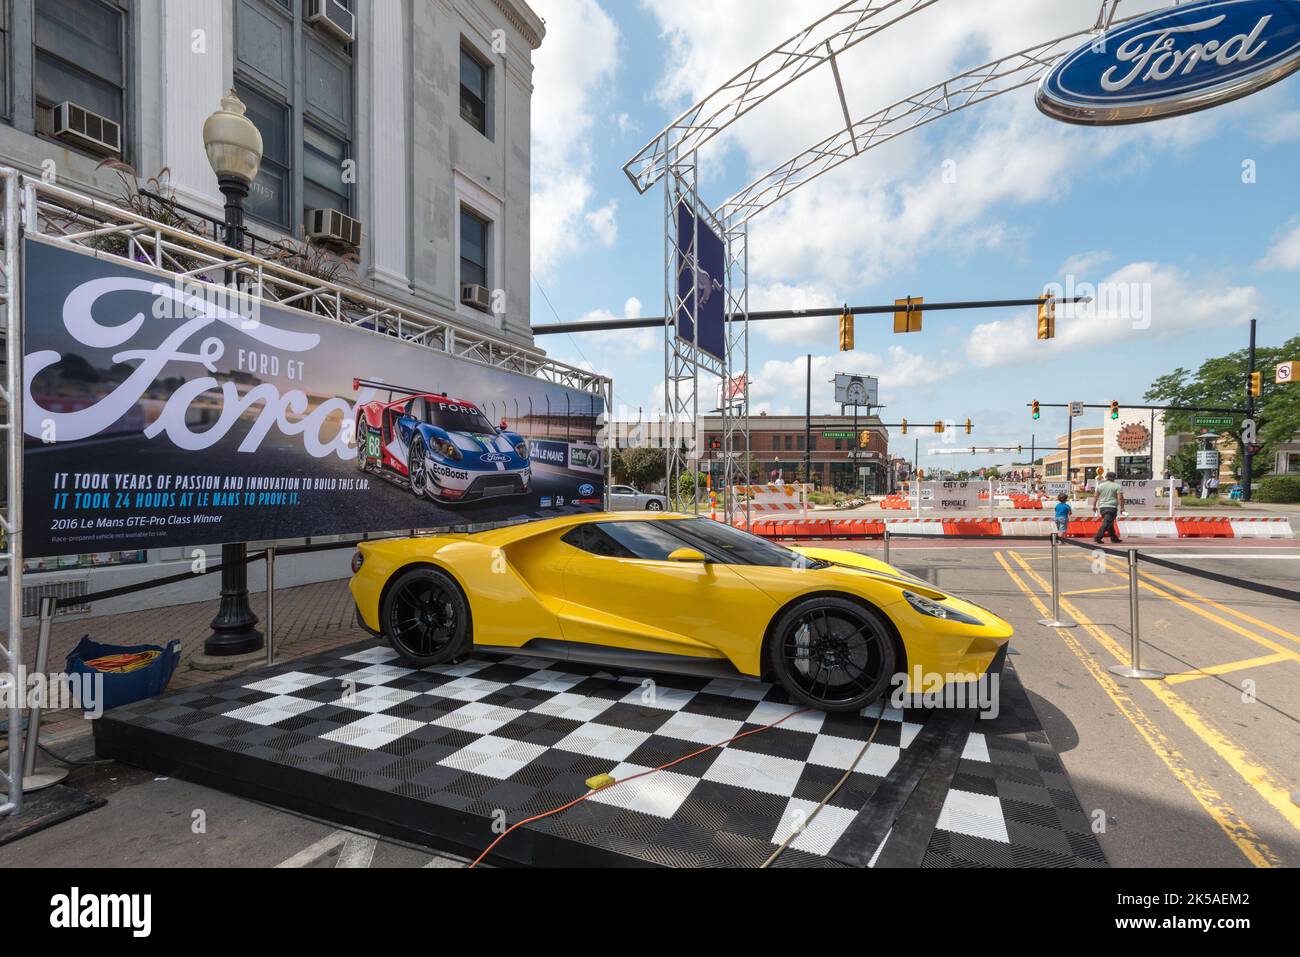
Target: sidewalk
[[308, 619]]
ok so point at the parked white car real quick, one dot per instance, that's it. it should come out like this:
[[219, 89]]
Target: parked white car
[[624, 498]]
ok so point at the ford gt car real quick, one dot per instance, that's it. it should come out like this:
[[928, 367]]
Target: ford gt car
[[445, 448], [649, 591]]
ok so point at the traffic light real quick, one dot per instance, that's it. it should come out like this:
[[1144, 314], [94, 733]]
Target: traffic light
[[1038, 409], [939, 428], [1114, 410], [1257, 384], [905, 426], [1046, 317], [908, 315], [864, 440], [846, 330], [969, 426]]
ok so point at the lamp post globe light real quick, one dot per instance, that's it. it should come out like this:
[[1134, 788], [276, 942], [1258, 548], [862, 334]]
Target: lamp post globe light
[[234, 148]]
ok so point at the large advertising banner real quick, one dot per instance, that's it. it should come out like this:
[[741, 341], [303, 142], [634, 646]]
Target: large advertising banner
[[707, 284], [160, 415]]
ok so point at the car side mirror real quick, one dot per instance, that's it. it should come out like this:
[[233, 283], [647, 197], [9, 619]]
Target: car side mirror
[[688, 556]]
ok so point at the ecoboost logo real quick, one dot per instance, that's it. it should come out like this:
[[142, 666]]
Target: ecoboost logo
[[77, 910]]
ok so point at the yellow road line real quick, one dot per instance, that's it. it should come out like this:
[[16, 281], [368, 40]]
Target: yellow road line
[[1095, 591], [1227, 669], [1254, 773], [1223, 608], [1203, 792], [1268, 643]]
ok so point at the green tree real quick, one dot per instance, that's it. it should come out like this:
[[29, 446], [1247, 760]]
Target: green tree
[[1182, 465], [1221, 384], [640, 467]]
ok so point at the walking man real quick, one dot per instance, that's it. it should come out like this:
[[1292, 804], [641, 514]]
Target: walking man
[[1108, 501]]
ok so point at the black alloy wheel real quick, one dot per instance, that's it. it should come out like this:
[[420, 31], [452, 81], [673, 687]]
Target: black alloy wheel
[[418, 468], [832, 654], [426, 618]]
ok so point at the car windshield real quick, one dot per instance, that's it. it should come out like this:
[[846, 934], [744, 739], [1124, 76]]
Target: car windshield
[[451, 416], [741, 548]]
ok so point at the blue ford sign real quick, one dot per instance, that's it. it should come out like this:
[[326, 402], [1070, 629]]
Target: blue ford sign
[[1175, 61]]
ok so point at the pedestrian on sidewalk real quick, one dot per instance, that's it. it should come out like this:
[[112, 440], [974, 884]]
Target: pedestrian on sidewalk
[[1063, 513], [1108, 501]]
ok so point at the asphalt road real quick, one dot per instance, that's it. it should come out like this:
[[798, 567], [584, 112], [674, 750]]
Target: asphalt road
[[1195, 772]]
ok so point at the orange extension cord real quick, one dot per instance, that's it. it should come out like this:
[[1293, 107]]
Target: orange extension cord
[[662, 767]]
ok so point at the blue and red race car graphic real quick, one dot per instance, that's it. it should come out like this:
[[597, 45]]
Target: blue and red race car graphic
[[445, 448]]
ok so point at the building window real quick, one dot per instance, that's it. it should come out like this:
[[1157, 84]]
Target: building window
[[789, 443], [1132, 467], [474, 76], [291, 87], [323, 159], [473, 248], [1293, 463], [268, 198], [79, 56]]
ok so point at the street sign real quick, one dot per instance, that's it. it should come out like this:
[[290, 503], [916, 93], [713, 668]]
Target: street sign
[[1223, 422], [1077, 409], [1286, 372], [1208, 461], [839, 435]]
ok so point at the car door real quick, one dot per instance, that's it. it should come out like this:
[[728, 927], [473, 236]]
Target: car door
[[404, 428], [623, 592], [622, 498]]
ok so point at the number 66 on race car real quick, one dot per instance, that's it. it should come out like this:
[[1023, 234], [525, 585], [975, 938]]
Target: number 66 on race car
[[445, 448]]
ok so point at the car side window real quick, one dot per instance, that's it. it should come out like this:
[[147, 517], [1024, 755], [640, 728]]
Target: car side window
[[622, 490], [644, 540], [417, 411], [592, 540]]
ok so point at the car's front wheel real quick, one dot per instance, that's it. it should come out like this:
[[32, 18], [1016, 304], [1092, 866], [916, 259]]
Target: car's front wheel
[[418, 468], [426, 618], [831, 654]]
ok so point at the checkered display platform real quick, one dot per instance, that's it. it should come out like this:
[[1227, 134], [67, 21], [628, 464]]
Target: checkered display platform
[[442, 755]]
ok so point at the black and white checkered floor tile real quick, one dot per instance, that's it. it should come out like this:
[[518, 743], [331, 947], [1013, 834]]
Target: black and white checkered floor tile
[[446, 754]]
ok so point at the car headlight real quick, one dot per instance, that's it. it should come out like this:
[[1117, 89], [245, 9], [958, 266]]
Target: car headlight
[[933, 609], [522, 450], [447, 450]]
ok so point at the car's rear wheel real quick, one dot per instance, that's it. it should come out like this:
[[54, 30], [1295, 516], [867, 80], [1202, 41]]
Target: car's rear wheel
[[360, 435], [418, 468], [831, 654], [426, 618], [654, 505]]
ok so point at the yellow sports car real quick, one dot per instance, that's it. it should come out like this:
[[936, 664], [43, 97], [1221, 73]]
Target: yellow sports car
[[649, 591]]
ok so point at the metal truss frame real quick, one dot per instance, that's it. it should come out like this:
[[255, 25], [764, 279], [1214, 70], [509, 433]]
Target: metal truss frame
[[840, 30], [735, 414], [966, 89], [11, 648], [71, 219]]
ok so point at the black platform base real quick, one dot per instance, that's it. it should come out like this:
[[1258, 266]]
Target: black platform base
[[444, 757]]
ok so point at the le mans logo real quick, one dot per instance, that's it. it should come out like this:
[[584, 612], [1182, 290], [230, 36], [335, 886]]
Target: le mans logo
[[76, 910]]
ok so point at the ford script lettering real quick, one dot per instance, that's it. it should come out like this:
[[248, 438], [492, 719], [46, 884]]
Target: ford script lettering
[[1175, 61]]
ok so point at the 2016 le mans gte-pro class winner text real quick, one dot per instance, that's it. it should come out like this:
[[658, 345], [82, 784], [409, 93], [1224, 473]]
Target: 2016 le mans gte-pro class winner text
[[160, 414]]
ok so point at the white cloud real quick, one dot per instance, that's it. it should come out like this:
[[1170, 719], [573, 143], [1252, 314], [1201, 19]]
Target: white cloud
[[775, 296], [604, 224], [572, 71], [1141, 302], [1285, 251], [637, 340], [779, 387]]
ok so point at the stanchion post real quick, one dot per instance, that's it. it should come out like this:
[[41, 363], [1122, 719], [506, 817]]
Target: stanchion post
[[32, 779], [887, 561], [1055, 621], [1134, 668], [270, 606]]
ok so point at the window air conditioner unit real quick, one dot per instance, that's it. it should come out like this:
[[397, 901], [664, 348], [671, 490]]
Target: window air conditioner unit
[[331, 226], [476, 296], [332, 17], [76, 124]]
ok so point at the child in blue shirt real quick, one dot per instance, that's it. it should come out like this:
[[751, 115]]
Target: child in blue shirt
[[1063, 513]]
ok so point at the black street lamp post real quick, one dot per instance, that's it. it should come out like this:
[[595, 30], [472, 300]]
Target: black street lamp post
[[234, 148]]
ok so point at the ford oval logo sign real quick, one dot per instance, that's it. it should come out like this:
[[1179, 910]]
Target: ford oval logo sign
[[586, 491], [1175, 61]]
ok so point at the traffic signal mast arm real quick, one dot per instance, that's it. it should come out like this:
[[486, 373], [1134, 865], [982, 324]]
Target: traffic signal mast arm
[[1141, 408], [607, 325]]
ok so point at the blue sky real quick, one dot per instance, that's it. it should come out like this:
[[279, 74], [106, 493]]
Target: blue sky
[[1161, 208]]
